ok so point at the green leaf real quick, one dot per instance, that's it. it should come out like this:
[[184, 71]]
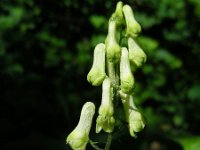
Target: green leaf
[[189, 143], [194, 93], [148, 44], [97, 21]]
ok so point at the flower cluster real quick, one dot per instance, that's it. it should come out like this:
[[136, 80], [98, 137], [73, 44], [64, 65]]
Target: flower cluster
[[111, 68]]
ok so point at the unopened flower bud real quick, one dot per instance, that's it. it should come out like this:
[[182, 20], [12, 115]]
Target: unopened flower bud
[[97, 72], [133, 116], [113, 50], [126, 76], [118, 14], [79, 137], [133, 27], [136, 54], [105, 120]]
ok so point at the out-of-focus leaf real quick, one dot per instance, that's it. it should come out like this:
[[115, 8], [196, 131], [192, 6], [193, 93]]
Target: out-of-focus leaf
[[178, 120], [189, 143], [194, 92], [196, 4], [149, 44], [14, 17], [168, 58], [97, 39], [146, 21], [14, 69], [153, 120], [97, 21]]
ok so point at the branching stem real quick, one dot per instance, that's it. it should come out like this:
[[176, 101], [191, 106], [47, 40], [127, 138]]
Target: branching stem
[[95, 146]]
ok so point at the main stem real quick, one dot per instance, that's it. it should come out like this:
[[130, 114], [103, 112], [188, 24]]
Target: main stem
[[113, 73], [109, 141]]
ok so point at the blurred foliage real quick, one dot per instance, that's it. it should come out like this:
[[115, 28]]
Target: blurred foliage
[[189, 143], [46, 50]]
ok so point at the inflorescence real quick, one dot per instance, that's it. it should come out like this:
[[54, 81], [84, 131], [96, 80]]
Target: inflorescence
[[113, 65]]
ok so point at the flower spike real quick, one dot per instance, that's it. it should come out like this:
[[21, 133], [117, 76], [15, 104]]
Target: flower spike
[[112, 62]]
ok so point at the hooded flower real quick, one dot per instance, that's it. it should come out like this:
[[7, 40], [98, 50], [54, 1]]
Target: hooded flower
[[136, 54], [118, 14], [79, 137], [113, 50], [133, 27], [97, 72], [126, 76], [105, 120], [133, 116]]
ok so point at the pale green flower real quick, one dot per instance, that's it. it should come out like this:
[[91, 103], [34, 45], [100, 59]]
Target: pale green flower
[[79, 137], [105, 120], [118, 16], [126, 76], [97, 72], [136, 54], [133, 116], [133, 27], [113, 50]]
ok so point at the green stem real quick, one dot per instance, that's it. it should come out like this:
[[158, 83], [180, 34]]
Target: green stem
[[111, 72], [117, 72], [117, 88], [95, 146], [109, 141]]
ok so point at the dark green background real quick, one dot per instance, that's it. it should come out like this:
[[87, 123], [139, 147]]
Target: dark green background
[[46, 49]]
